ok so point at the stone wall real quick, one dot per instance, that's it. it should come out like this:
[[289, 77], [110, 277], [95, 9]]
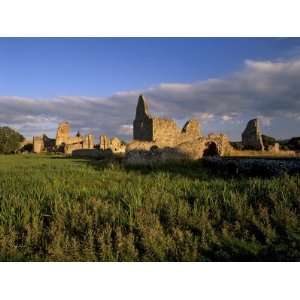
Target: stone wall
[[69, 148], [74, 140], [161, 139], [104, 142], [38, 144], [87, 153], [190, 131], [140, 146], [164, 132], [62, 135], [212, 145], [143, 123], [117, 146], [251, 136], [88, 142], [274, 148], [67, 143]]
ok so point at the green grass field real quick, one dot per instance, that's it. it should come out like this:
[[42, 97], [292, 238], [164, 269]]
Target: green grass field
[[58, 209]]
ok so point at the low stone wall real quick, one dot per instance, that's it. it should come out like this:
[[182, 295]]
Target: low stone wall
[[153, 156], [260, 167], [70, 148], [139, 146], [38, 144], [90, 153]]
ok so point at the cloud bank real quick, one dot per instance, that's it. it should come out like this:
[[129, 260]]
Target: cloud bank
[[266, 89]]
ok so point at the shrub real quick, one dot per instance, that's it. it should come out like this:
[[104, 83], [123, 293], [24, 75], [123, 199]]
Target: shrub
[[294, 143], [268, 140], [237, 145], [9, 140]]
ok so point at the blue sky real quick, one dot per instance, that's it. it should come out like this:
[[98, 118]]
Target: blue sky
[[49, 67], [77, 74]]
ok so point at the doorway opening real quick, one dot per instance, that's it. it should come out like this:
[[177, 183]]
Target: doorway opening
[[211, 149]]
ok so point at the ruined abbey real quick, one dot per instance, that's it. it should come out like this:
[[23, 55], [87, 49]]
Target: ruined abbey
[[63, 142], [153, 138], [163, 132], [72, 145], [164, 136]]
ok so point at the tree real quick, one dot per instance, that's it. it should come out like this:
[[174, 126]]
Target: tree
[[268, 140], [9, 140], [294, 143]]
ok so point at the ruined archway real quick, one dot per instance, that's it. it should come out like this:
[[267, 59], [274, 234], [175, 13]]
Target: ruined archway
[[211, 149]]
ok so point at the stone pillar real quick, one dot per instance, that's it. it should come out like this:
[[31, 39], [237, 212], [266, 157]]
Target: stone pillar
[[104, 142], [38, 144], [251, 137], [88, 142], [62, 134]]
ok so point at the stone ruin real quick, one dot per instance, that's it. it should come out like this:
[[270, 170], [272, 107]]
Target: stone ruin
[[161, 131], [38, 144], [161, 139], [78, 145], [114, 145], [104, 142], [252, 139], [274, 148], [154, 139], [63, 142], [43, 144], [251, 136], [70, 143]]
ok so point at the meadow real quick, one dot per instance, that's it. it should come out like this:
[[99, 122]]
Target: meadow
[[62, 209]]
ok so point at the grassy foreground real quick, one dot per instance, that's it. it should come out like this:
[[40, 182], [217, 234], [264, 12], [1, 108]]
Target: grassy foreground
[[56, 209]]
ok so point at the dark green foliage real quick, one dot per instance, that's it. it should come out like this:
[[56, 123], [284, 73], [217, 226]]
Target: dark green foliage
[[268, 140], [27, 148], [294, 143], [252, 167], [9, 140], [291, 144], [237, 145], [57, 209]]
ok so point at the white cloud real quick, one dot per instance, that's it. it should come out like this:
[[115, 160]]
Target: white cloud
[[203, 117], [226, 118], [126, 129]]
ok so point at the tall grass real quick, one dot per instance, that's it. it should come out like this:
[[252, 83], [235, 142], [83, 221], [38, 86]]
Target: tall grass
[[57, 209]]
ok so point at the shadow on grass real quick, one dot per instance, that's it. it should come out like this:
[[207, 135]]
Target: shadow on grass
[[200, 169], [190, 169]]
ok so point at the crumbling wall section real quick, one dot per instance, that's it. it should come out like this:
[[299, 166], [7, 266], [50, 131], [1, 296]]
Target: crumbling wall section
[[251, 136], [143, 123], [69, 148], [104, 142], [165, 132], [38, 144], [62, 134], [162, 131], [190, 131], [88, 142]]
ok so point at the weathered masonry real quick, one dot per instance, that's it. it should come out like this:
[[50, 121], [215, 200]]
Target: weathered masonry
[[163, 132], [165, 140], [70, 143]]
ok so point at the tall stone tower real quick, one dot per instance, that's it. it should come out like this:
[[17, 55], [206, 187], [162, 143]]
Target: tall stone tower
[[62, 134], [88, 142], [142, 124], [104, 142], [38, 144], [251, 136]]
